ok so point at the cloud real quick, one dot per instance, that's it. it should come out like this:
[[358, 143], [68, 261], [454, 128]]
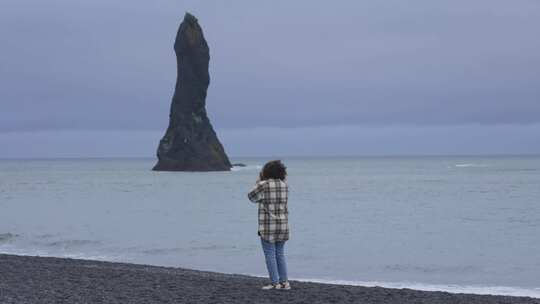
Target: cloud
[[70, 65]]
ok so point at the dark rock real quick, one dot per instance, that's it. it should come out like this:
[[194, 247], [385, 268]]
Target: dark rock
[[190, 143], [239, 165]]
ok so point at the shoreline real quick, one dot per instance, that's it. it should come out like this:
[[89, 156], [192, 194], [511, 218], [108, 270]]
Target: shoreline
[[32, 279]]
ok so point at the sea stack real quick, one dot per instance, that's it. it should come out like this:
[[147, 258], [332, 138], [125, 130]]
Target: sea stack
[[190, 143]]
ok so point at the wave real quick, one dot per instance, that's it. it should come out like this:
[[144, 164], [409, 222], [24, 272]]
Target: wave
[[44, 253], [518, 170], [71, 243], [6, 237], [159, 251], [471, 289], [250, 167], [470, 165]]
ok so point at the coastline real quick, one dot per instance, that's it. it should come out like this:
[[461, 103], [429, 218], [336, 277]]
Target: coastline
[[31, 279]]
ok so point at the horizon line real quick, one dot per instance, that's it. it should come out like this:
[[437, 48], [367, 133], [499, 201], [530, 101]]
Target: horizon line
[[533, 154]]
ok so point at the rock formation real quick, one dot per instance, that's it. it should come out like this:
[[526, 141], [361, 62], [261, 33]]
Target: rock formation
[[190, 143]]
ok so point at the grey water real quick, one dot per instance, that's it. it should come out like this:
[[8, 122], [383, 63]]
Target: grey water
[[466, 221]]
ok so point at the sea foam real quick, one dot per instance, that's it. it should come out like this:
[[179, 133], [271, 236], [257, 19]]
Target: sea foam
[[472, 289], [250, 167], [470, 165]]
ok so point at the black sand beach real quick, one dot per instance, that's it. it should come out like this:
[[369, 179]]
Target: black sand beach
[[25, 279]]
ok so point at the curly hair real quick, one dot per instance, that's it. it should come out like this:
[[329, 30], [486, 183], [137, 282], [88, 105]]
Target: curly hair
[[274, 170]]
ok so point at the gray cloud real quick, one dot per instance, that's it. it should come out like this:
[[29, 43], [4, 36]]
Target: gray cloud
[[109, 64]]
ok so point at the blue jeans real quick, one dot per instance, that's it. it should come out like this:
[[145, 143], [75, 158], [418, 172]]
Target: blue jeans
[[275, 261]]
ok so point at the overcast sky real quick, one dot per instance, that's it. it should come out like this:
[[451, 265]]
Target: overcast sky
[[95, 78]]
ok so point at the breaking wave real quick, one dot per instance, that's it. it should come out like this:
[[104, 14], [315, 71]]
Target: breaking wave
[[470, 165], [472, 289], [72, 243], [7, 237], [250, 167]]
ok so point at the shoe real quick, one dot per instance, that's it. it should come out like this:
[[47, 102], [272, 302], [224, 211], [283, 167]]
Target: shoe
[[271, 286], [284, 285]]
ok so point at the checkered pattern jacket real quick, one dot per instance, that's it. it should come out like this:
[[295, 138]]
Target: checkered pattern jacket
[[271, 195]]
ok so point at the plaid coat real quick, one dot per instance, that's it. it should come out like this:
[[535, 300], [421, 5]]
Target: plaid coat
[[271, 195]]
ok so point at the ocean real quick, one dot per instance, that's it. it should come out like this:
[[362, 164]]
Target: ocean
[[460, 224]]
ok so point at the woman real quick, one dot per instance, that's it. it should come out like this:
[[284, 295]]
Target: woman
[[270, 193]]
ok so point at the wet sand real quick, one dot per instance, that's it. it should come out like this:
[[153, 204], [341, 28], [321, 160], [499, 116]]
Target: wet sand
[[25, 279]]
